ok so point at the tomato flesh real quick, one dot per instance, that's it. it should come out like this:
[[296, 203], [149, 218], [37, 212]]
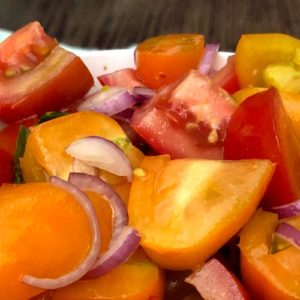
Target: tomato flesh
[[163, 59], [190, 207], [24, 50], [260, 129], [186, 119]]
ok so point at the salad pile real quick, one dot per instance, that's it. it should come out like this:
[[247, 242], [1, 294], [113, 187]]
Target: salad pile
[[172, 181]]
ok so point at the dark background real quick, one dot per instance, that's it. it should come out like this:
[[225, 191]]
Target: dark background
[[107, 24]]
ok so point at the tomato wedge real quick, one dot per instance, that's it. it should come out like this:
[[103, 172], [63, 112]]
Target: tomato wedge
[[163, 59], [55, 78], [190, 207], [261, 129], [186, 119], [44, 232]]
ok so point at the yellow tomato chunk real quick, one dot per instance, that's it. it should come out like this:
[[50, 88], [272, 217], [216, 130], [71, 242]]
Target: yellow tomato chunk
[[186, 209]]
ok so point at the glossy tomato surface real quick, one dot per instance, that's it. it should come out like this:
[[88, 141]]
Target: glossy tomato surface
[[261, 129], [55, 79], [163, 59], [186, 119]]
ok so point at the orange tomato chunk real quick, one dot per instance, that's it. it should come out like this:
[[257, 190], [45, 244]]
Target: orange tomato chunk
[[44, 232], [137, 279], [186, 209], [269, 276], [45, 149], [163, 59]]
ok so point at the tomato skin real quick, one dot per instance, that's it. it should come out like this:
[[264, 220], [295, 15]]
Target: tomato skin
[[268, 276], [6, 171], [190, 111], [9, 135], [226, 77], [56, 82], [163, 59], [260, 129]]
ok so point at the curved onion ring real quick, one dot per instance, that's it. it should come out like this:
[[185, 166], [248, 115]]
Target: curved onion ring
[[125, 239], [87, 263]]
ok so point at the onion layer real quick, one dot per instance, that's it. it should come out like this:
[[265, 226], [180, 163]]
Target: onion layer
[[125, 239], [99, 152], [287, 210], [289, 234], [209, 55], [89, 260], [109, 102]]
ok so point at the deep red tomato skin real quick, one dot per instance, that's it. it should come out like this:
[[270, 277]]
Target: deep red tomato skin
[[6, 170], [59, 80], [260, 129], [9, 135]]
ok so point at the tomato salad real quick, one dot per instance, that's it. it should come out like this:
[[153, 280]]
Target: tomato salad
[[172, 181]]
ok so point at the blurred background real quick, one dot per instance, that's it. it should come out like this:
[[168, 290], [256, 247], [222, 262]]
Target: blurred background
[[107, 24]]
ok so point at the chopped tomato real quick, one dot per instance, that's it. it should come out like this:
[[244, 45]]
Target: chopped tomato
[[268, 276], [190, 208], [256, 51], [163, 59], [45, 149], [56, 79], [186, 119], [24, 50], [226, 77], [6, 170], [44, 233], [213, 280], [125, 78], [136, 279], [261, 129], [9, 135]]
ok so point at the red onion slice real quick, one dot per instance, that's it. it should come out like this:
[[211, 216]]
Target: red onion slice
[[289, 234], [120, 249], [88, 183], [209, 55], [99, 152], [125, 239], [108, 102], [89, 260], [143, 93], [287, 210]]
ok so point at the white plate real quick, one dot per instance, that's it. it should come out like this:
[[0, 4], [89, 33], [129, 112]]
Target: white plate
[[107, 61]]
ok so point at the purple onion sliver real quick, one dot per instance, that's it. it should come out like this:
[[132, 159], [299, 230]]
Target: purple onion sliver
[[120, 249], [89, 260], [95, 184], [114, 104], [207, 60], [287, 210], [289, 233]]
